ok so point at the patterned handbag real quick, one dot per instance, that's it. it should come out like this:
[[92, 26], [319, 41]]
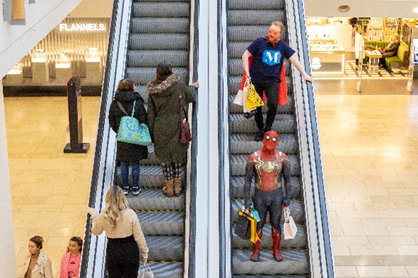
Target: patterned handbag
[[252, 99], [131, 131]]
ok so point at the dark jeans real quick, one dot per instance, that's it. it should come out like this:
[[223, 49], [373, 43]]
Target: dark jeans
[[122, 257], [272, 93], [124, 170], [271, 202]]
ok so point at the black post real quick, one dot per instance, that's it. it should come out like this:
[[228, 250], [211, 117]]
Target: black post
[[76, 144]]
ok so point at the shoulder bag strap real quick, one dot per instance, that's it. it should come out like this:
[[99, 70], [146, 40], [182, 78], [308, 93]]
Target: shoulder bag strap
[[123, 109]]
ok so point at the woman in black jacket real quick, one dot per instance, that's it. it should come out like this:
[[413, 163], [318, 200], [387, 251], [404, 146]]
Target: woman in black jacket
[[128, 153]]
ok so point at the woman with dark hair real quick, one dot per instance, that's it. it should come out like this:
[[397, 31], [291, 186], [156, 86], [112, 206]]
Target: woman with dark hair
[[37, 264], [124, 235], [70, 261], [164, 122], [128, 153]]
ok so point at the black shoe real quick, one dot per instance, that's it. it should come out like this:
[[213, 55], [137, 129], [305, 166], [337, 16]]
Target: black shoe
[[136, 191], [259, 136], [126, 190]]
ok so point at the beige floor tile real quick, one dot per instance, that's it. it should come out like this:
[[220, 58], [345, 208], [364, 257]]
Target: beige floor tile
[[346, 271], [412, 271], [365, 250], [382, 271], [392, 241], [364, 231], [408, 250]]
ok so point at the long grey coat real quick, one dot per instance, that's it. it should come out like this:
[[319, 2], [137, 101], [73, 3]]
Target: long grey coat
[[164, 117]]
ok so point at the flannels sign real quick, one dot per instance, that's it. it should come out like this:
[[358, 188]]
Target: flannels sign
[[82, 27]]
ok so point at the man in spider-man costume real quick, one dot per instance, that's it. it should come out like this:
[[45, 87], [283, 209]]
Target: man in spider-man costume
[[268, 165]]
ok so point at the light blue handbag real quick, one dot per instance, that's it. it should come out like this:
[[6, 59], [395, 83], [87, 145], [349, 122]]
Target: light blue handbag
[[131, 131]]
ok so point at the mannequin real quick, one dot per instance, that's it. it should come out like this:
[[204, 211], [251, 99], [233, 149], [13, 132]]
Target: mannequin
[[268, 165]]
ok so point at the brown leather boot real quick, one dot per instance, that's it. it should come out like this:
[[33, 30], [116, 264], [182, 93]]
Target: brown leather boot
[[168, 188], [276, 244], [256, 253], [177, 187]]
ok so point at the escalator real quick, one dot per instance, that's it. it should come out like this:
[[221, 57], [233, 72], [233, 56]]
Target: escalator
[[144, 33], [248, 20], [159, 31]]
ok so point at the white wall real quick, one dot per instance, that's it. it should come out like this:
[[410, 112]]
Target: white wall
[[17, 40], [93, 8], [362, 8], [7, 256]]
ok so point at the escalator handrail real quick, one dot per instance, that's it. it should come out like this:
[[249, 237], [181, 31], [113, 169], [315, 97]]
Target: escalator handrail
[[93, 255], [307, 92], [191, 271]]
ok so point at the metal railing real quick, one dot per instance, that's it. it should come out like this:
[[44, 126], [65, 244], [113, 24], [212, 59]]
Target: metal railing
[[317, 223], [93, 258]]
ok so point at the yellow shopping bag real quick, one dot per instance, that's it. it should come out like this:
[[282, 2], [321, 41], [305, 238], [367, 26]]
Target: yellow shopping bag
[[253, 237], [252, 99]]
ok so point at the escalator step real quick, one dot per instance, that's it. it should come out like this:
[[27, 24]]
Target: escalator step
[[283, 123], [165, 248], [255, 17], [151, 199], [295, 208], [150, 58], [161, 9], [267, 242], [294, 261], [160, 25], [237, 187], [166, 269], [282, 109], [161, 223], [159, 41], [256, 4], [245, 144], [144, 75]]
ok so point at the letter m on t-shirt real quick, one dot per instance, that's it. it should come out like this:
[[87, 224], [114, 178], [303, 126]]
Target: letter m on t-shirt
[[271, 57]]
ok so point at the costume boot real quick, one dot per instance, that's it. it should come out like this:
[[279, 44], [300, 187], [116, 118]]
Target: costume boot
[[276, 244], [168, 188], [256, 253], [177, 187]]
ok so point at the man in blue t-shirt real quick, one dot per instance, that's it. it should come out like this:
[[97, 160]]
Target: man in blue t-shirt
[[269, 53]]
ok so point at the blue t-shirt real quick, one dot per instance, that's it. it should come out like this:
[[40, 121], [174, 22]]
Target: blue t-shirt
[[268, 60]]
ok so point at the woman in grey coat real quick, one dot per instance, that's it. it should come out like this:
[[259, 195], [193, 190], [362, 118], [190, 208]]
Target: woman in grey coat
[[164, 122]]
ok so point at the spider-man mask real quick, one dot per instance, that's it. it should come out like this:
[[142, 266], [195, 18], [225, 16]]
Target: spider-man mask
[[270, 141]]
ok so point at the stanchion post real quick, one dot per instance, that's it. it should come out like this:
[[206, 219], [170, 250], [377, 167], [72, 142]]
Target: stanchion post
[[75, 118]]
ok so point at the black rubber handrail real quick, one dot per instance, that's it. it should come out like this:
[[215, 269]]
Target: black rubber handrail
[[193, 169]]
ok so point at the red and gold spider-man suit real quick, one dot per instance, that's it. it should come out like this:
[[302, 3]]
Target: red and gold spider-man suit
[[268, 165]]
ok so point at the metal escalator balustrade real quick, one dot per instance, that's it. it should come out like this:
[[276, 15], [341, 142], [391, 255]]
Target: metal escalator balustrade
[[248, 20]]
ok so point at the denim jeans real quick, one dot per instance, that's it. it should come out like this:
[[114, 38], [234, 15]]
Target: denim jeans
[[124, 169]]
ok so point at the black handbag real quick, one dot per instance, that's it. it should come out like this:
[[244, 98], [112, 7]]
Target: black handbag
[[243, 226]]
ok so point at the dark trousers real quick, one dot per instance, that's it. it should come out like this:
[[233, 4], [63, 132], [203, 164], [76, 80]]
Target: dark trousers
[[271, 202], [272, 93], [122, 257]]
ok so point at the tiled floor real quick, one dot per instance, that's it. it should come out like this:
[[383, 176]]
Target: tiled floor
[[370, 155], [49, 188]]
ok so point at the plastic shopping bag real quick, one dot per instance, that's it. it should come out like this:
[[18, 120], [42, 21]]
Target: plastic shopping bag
[[145, 272], [289, 225]]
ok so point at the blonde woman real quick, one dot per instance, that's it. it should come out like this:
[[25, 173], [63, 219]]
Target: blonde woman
[[37, 264], [124, 235]]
